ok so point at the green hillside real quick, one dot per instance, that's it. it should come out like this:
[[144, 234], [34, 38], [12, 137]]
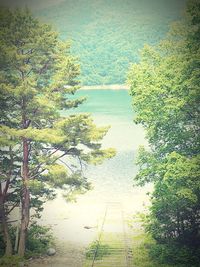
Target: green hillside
[[107, 34]]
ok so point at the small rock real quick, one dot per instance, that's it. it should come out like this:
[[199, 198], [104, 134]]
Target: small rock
[[87, 227], [51, 251]]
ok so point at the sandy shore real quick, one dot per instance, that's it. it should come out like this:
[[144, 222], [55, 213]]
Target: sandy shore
[[67, 255]]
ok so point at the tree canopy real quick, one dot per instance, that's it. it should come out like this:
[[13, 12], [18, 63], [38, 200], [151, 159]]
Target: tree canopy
[[40, 149], [166, 96]]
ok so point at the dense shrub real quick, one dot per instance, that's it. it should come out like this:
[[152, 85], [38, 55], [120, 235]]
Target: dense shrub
[[39, 239], [174, 254]]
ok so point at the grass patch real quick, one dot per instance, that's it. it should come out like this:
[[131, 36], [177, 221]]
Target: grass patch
[[141, 246], [108, 251], [10, 261]]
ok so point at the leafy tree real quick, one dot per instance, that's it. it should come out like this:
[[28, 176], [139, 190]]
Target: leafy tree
[[165, 90], [41, 149]]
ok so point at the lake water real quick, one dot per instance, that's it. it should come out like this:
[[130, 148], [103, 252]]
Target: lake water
[[113, 180]]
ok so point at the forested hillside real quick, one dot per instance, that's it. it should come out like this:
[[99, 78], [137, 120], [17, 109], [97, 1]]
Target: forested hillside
[[106, 35]]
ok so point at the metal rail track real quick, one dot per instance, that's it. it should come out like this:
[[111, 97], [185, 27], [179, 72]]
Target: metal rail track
[[113, 245]]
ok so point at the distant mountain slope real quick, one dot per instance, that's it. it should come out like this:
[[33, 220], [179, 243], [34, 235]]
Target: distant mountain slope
[[107, 34]]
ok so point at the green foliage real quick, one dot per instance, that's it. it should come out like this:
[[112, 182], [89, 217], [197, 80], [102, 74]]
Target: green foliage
[[38, 241], [165, 90], [175, 201], [142, 246], [148, 253], [39, 76], [173, 254], [107, 35], [41, 148]]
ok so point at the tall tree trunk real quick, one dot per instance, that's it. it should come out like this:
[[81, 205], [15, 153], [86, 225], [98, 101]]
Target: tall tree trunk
[[25, 216], [4, 224]]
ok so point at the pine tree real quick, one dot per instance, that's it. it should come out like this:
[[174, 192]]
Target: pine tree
[[39, 77]]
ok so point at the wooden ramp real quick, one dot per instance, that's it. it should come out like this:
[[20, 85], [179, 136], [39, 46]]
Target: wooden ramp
[[113, 245]]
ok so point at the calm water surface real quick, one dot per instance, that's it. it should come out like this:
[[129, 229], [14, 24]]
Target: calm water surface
[[113, 180]]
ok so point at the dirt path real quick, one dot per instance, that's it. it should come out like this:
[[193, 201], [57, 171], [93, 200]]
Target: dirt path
[[112, 243], [67, 255]]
